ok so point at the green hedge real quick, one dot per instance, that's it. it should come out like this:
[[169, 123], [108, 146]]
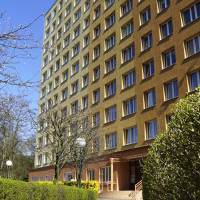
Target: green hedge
[[91, 185], [19, 190]]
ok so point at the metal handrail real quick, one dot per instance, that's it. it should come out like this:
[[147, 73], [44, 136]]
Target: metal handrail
[[138, 187]]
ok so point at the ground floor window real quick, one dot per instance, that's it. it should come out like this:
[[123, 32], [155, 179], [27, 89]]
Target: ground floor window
[[106, 174], [90, 174], [68, 176], [34, 178]]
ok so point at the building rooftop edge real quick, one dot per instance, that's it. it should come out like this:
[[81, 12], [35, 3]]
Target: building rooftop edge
[[50, 8]]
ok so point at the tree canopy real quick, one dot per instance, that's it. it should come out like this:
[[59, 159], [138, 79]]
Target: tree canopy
[[172, 167]]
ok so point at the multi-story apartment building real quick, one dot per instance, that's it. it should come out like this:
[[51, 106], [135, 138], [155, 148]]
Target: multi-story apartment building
[[140, 56]]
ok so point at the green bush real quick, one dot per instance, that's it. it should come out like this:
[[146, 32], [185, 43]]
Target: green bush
[[172, 167], [19, 190], [92, 185]]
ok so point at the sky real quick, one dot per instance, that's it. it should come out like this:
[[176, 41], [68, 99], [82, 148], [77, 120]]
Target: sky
[[24, 12]]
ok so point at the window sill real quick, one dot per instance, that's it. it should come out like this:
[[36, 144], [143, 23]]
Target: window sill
[[63, 100], [96, 80], [126, 37], [191, 57], [110, 72], [84, 87], [124, 15], [95, 59], [95, 104], [172, 99], [149, 108], [147, 78], [145, 50], [73, 94], [127, 88], [165, 39], [108, 150], [110, 49], [189, 24], [108, 7], [128, 116], [96, 37], [167, 68], [74, 74], [108, 28], [144, 24], [126, 145], [110, 122], [109, 97], [162, 11], [126, 62]]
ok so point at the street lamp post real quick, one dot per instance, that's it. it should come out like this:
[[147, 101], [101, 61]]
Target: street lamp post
[[9, 164], [80, 143]]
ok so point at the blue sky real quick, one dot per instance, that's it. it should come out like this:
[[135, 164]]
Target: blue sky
[[24, 12]]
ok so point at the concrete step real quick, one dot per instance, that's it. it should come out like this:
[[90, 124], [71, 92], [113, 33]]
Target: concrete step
[[125, 195]]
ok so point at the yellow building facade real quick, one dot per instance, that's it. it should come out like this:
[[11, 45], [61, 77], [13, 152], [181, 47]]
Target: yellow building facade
[[143, 58]]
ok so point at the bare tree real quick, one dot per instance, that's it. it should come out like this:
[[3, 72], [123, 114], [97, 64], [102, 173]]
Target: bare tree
[[15, 129], [60, 133], [16, 44]]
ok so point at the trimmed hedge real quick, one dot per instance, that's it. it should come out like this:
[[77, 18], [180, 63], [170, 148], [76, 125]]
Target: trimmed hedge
[[19, 190], [91, 185]]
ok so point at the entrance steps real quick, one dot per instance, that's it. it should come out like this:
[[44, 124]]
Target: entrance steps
[[125, 195]]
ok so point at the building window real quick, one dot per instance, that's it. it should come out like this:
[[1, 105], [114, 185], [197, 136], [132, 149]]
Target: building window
[[147, 41], [96, 73], [151, 129], [111, 141], [191, 13], [171, 90], [76, 2], [48, 20], [110, 20], [127, 29], [110, 88], [60, 5], [47, 33], [57, 65], [66, 41], [42, 108], [68, 176], [86, 40], [44, 77], [97, 52], [51, 71], [169, 58], [39, 160], [108, 3], [58, 49], [68, 9], [65, 58], [55, 99], [96, 145], [162, 4], [110, 42], [77, 15], [150, 98], [45, 61], [90, 175], [148, 69], [192, 46], [74, 88], [125, 8], [59, 33], [194, 80], [77, 32], [64, 94], [130, 106], [96, 96], [128, 53], [40, 140], [145, 16], [65, 75], [64, 112], [169, 119], [54, 12], [130, 135], [34, 178], [48, 178], [111, 64], [106, 174], [97, 31], [74, 107], [76, 49], [128, 79], [49, 103], [59, 19], [84, 102], [96, 119], [86, 22], [85, 80], [67, 25], [43, 92], [86, 60], [45, 158], [87, 5], [97, 12], [111, 114], [166, 29]]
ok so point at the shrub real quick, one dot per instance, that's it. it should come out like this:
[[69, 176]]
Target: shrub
[[92, 185], [19, 190], [172, 168]]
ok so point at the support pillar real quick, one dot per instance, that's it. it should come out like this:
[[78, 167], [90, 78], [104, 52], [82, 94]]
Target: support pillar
[[111, 174]]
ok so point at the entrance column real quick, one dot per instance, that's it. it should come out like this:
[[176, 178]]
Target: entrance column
[[111, 174]]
